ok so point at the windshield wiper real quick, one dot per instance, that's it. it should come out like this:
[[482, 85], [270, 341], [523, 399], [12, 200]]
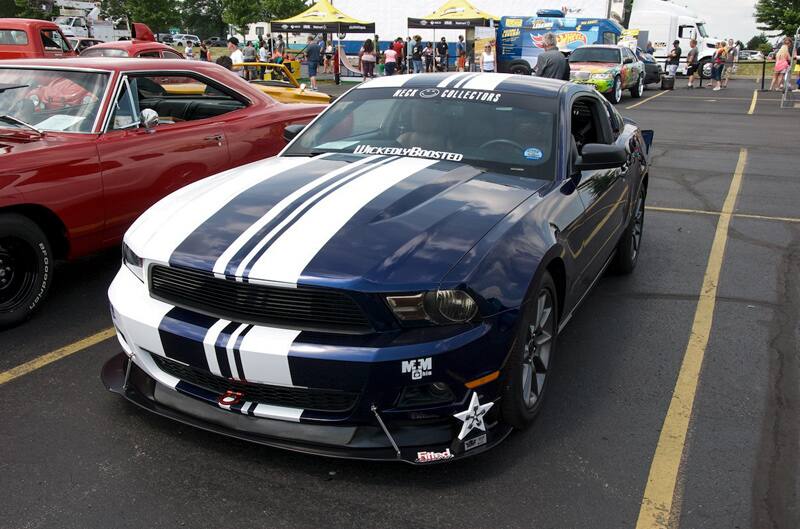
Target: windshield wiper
[[4, 87], [15, 121]]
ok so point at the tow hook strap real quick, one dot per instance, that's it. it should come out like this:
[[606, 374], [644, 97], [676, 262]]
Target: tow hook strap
[[386, 431]]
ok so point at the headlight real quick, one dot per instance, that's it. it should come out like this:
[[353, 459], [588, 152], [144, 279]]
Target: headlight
[[442, 307], [133, 262], [602, 76]]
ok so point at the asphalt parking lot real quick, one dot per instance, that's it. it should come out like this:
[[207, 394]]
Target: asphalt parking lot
[[681, 381]]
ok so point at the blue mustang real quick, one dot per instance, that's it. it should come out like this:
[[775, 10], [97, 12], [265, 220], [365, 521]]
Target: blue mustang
[[392, 285]]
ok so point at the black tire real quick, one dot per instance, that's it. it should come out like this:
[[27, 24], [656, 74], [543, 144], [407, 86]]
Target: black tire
[[520, 69], [705, 64], [528, 346], [26, 268], [615, 95], [628, 248], [638, 88]]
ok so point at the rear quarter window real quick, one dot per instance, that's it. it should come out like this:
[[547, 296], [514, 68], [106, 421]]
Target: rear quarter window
[[13, 37]]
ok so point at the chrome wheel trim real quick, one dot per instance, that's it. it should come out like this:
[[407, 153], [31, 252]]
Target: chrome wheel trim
[[638, 226], [617, 90], [538, 345]]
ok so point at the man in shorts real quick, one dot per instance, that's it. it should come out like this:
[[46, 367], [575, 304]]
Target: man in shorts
[[692, 63], [313, 55], [674, 59], [731, 60]]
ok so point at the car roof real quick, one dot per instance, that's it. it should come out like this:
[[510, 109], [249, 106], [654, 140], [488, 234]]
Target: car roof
[[606, 46], [133, 46], [24, 23], [114, 64], [523, 84]]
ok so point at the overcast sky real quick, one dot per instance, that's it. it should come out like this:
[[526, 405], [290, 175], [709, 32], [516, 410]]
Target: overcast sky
[[726, 18]]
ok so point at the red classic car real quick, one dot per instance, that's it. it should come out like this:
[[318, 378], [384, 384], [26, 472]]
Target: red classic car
[[86, 145], [23, 38]]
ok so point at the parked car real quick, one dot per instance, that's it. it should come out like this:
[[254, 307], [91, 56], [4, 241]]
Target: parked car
[[88, 144], [181, 39], [22, 38], [393, 284], [215, 41], [166, 38], [81, 43], [652, 70], [751, 55], [611, 69]]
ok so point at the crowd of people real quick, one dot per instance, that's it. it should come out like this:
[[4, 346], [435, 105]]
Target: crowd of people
[[411, 56]]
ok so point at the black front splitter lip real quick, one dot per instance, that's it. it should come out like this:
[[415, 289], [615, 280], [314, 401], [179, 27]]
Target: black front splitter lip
[[113, 376]]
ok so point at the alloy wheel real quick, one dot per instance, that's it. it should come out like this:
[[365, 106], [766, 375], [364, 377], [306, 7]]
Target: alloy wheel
[[638, 226], [617, 91], [538, 344]]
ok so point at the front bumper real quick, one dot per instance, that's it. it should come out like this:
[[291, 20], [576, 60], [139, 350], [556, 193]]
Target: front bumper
[[369, 441], [601, 85]]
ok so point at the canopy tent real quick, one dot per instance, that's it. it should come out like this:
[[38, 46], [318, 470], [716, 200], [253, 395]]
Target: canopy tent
[[322, 17], [453, 14]]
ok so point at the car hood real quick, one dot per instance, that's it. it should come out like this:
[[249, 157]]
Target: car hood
[[19, 143], [593, 67], [365, 223]]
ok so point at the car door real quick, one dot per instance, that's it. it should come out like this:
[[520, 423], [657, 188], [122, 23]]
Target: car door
[[630, 73], [603, 192], [140, 165], [54, 44]]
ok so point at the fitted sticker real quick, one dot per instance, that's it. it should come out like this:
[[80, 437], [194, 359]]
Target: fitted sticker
[[532, 153], [416, 152]]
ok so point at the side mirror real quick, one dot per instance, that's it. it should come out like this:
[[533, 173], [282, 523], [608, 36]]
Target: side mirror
[[627, 60], [148, 119], [291, 131], [601, 156]]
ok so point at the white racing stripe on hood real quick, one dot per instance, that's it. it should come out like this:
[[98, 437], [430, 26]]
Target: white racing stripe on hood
[[185, 210], [277, 229], [265, 355], [487, 81], [231, 251], [285, 260]]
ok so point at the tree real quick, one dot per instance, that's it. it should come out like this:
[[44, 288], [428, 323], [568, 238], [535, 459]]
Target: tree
[[159, 15], [278, 9], [756, 42], [33, 9], [240, 14], [8, 8], [782, 17], [204, 18]]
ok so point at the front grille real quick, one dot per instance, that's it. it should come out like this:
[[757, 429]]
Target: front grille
[[326, 400], [301, 307]]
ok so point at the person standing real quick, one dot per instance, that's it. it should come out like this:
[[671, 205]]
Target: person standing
[[389, 61], [650, 49], [312, 55], [692, 62], [237, 58], [249, 54], [782, 61], [442, 55], [717, 65], [427, 55], [205, 55], [416, 54], [328, 66], [399, 48], [486, 59], [263, 56], [461, 54], [189, 50], [280, 47], [674, 58], [551, 63], [731, 60], [367, 59]]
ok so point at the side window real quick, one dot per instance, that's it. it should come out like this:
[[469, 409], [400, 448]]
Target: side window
[[179, 98], [125, 114], [614, 119], [53, 41], [171, 55], [150, 55], [587, 124], [13, 37], [609, 37]]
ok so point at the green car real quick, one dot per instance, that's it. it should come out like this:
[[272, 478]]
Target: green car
[[611, 69]]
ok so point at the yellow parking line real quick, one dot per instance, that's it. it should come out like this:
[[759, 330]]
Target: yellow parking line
[[739, 215], [753, 104], [643, 101], [41, 361], [657, 510]]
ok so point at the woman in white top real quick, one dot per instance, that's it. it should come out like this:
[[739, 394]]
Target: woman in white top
[[487, 59]]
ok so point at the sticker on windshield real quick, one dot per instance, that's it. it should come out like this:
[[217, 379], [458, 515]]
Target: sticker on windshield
[[465, 95], [416, 152], [59, 122], [532, 153]]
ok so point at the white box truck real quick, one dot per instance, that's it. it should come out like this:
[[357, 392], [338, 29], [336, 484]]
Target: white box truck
[[83, 19], [666, 22]]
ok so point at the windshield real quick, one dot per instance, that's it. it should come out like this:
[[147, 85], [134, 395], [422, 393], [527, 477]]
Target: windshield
[[701, 28], [52, 100], [103, 52], [502, 132], [586, 54]]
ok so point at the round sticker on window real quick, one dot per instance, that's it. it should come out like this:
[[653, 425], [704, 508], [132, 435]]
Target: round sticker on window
[[532, 153]]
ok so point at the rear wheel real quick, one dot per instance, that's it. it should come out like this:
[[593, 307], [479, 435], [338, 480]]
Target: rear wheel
[[26, 268], [525, 373], [615, 96]]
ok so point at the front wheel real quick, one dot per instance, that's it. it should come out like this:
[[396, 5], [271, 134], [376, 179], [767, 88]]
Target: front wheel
[[631, 241], [525, 373], [615, 96], [638, 88], [26, 268]]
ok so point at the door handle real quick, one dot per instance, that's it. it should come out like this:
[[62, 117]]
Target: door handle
[[217, 138]]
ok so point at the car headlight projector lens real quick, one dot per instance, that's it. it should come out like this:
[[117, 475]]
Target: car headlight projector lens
[[441, 306], [134, 263]]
